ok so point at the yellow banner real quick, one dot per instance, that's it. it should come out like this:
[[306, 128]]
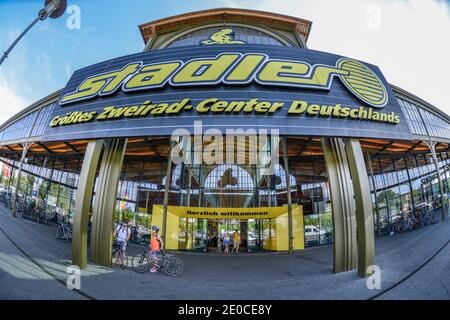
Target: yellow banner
[[226, 213]]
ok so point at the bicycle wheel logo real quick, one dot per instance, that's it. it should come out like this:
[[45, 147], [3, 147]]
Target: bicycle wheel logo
[[363, 82]]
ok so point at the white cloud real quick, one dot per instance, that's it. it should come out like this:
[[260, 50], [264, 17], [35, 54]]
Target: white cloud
[[10, 101], [68, 70], [43, 64], [411, 45], [13, 85]]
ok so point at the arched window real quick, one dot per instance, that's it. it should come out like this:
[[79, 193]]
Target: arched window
[[229, 177]]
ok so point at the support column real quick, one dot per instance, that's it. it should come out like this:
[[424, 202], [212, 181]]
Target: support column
[[105, 201], [432, 146], [49, 181], [167, 189], [363, 204], [83, 199], [1, 173], [180, 196], [288, 191], [25, 147], [343, 204], [188, 197], [411, 190], [374, 187]]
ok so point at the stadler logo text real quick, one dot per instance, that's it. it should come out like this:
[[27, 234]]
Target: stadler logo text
[[235, 69]]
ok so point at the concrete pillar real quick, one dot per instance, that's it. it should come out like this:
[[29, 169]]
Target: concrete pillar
[[25, 147], [374, 187], [363, 203], [83, 203], [343, 205], [105, 201], [167, 189], [432, 146], [288, 191]]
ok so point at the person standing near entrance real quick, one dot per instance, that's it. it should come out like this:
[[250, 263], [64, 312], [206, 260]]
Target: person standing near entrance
[[236, 241], [226, 242], [123, 233]]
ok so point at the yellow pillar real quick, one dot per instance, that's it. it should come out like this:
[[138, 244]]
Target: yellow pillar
[[363, 203], [83, 202], [343, 205], [105, 201]]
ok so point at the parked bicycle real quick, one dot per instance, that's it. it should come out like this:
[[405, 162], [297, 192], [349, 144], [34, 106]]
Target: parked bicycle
[[138, 237], [408, 221], [64, 232], [6, 198], [171, 265]]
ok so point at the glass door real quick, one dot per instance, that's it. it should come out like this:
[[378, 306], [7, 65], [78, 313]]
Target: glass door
[[228, 226], [254, 234], [200, 229]]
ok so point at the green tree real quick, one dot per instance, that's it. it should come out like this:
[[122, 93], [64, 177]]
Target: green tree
[[386, 194], [42, 192], [117, 217]]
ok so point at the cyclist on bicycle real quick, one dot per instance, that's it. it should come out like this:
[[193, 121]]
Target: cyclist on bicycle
[[123, 233], [156, 244]]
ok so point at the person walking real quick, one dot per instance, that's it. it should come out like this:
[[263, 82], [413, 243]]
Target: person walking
[[123, 233], [226, 243], [219, 245], [236, 241]]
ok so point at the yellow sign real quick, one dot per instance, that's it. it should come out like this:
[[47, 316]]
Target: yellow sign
[[226, 213], [234, 68], [224, 36], [215, 106], [277, 237]]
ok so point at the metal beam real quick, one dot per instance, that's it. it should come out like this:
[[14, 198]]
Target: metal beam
[[387, 145], [44, 147], [25, 147], [432, 146], [303, 147], [72, 147], [414, 146], [166, 190], [152, 146], [288, 191]]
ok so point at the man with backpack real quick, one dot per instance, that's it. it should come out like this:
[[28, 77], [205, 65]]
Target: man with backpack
[[123, 233]]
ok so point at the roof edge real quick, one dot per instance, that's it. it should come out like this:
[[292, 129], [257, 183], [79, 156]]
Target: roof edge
[[421, 101], [32, 107], [224, 10]]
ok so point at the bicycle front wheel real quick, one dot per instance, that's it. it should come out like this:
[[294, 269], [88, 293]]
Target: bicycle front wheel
[[59, 233], [140, 264], [173, 267]]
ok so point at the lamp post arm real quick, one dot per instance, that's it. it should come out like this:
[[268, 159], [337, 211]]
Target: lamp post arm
[[5, 54]]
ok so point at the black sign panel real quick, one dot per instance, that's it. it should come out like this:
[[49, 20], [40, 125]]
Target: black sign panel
[[298, 91]]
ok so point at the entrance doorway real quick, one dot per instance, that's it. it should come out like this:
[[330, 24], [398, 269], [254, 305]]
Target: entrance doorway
[[250, 232]]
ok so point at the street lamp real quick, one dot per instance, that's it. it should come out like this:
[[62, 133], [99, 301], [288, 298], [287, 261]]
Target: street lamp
[[52, 8]]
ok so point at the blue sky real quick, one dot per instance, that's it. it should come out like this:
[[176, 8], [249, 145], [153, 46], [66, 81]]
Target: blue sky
[[42, 62], [404, 32]]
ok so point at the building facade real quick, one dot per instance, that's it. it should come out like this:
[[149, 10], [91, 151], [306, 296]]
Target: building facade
[[227, 121]]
